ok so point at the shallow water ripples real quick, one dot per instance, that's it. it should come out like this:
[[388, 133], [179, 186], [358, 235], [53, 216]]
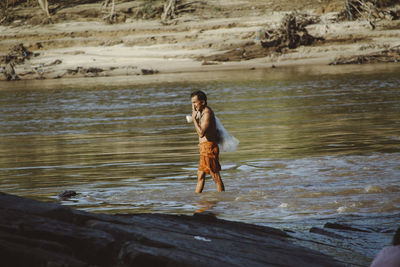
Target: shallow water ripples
[[263, 190], [312, 149], [317, 187]]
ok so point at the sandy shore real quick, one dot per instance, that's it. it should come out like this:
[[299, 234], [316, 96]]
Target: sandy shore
[[137, 47]]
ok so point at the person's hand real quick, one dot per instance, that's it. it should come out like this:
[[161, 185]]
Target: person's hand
[[194, 114]]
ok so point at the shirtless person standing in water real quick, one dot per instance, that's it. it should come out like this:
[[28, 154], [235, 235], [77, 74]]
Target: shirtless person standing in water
[[208, 138]]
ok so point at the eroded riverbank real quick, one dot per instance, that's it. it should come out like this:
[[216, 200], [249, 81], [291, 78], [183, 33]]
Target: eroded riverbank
[[217, 36]]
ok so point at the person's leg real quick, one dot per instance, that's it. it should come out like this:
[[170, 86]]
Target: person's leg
[[200, 181], [218, 181]]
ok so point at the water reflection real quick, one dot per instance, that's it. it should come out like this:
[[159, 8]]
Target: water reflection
[[203, 206]]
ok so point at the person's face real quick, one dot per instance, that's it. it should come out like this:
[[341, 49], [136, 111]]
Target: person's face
[[197, 104]]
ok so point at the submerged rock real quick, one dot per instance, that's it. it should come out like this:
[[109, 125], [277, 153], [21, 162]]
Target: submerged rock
[[342, 226], [67, 194], [320, 231], [35, 233]]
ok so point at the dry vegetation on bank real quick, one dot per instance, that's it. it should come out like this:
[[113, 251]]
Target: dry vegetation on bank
[[86, 38]]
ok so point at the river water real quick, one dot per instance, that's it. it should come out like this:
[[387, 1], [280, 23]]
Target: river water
[[314, 148]]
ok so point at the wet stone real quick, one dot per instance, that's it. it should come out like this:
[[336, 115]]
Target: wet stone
[[35, 233]]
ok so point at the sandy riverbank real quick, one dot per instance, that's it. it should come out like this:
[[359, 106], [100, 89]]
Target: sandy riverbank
[[193, 42]]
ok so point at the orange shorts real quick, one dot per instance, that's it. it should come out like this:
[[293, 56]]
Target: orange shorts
[[209, 157]]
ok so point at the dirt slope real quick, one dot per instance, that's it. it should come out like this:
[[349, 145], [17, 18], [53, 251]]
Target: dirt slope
[[205, 36]]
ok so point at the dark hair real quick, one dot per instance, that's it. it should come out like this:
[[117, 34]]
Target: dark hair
[[396, 237], [200, 95]]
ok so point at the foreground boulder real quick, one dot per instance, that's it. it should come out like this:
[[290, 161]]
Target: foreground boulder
[[34, 233]]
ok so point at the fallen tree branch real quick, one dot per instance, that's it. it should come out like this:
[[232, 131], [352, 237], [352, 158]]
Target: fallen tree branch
[[45, 6], [291, 34], [391, 55], [169, 11], [111, 16], [105, 4]]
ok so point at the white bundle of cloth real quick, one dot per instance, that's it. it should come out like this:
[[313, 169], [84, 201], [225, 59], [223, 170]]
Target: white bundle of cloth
[[227, 142]]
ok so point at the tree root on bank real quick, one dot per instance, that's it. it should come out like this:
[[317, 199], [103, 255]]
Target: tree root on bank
[[391, 55], [290, 34], [17, 54], [370, 10], [110, 16], [175, 7], [169, 10]]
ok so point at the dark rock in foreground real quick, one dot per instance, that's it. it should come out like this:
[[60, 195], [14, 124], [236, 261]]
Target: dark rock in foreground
[[34, 233]]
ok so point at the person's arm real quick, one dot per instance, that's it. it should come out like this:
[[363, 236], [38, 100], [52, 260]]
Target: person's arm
[[201, 128]]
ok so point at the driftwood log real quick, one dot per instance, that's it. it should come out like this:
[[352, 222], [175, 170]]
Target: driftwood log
[[111, 15], [391, 55], [370, 10], [17, 54], [169, 10], [291, 34], [9, 72], [45, 6], [34, 233], [172, 8]]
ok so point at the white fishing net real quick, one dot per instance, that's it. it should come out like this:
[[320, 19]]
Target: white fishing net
[[227, 143]]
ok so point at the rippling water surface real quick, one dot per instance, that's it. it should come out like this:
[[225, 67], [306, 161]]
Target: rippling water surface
[[313, 149]]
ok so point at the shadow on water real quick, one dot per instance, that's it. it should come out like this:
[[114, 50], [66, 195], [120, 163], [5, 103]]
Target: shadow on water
[[315, 147]]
